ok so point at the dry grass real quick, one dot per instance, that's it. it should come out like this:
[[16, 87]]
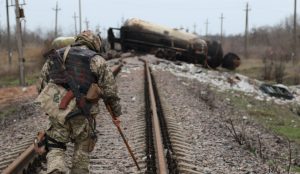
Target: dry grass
[[253, 67], [33, 63], [251, 63]]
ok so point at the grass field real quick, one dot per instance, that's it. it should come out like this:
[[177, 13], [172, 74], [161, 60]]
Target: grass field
[[253, 68], [9, 74], [281, 119]]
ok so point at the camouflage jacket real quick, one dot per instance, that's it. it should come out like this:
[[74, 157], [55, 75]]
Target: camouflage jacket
[[105, 80]]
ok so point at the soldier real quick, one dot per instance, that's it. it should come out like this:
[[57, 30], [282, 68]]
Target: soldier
[[86, 67]]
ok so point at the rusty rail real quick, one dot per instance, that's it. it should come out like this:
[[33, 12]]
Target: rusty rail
[[22, 161], [161, 160]]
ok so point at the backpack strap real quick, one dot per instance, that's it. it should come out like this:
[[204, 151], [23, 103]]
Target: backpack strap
[[66, 53]]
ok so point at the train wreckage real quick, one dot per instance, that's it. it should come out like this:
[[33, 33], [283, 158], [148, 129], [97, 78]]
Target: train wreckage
[[171, 44]]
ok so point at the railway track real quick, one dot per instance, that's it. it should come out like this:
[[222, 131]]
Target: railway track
[[148, 122]]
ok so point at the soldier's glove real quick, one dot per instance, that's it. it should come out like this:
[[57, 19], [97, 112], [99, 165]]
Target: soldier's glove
[[94, 93], [116, 108], [40, 143]]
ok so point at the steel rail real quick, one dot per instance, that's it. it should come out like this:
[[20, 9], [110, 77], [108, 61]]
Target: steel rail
[[21, 162], [161, 160]]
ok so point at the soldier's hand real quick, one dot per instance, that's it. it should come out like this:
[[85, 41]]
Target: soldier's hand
[[116, 121]]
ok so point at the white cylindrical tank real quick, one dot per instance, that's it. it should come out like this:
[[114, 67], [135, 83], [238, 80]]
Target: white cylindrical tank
[[160, 34]]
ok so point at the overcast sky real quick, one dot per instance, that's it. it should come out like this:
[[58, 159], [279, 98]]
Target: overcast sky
[[172, 13]]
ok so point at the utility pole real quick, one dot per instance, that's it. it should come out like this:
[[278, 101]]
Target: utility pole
[[195, 28], [122, 20], [187, 29], [104, 32], [295, 32], [8, 34], [24, 31], [181, 28], [75, 22], [206, 28], [19, 42], [56, 9], [222, 18], [98, 29], [80, 17], [246, 31], [86, 24]]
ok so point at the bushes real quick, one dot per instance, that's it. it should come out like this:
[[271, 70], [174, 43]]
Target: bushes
[[274, 66]]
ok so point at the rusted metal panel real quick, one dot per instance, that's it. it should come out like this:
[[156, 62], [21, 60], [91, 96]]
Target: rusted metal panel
[[148, 37], [168, 43]]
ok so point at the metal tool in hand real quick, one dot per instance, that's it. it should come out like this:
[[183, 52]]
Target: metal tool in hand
[[123, 137]]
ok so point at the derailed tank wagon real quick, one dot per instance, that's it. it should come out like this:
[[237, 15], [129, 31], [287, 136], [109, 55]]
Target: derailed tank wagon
[[168, 43]]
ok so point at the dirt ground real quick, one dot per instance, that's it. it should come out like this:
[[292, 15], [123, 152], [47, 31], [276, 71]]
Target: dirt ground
[[11, 95]]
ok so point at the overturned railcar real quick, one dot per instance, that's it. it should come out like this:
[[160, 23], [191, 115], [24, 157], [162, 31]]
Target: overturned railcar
[[166, 43]]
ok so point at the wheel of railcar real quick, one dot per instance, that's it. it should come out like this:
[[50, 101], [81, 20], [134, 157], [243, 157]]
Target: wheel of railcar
[[160, 54], [231, 61]]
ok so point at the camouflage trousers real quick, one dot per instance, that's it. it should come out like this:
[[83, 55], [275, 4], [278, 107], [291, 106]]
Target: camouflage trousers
[[76, 130]]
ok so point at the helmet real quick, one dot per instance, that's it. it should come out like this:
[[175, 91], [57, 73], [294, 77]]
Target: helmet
[[89, 39], [61, 42]]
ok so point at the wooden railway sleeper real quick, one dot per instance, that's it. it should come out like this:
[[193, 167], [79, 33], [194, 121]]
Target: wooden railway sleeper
[[179, 141], [187, 165], [183, 147], [189, 171], [176, 149], [178, 135]]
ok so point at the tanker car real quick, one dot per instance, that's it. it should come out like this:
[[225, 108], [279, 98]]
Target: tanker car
[[169, 43]]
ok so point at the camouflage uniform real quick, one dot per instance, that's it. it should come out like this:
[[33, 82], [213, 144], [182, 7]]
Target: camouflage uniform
[[77, 129]]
